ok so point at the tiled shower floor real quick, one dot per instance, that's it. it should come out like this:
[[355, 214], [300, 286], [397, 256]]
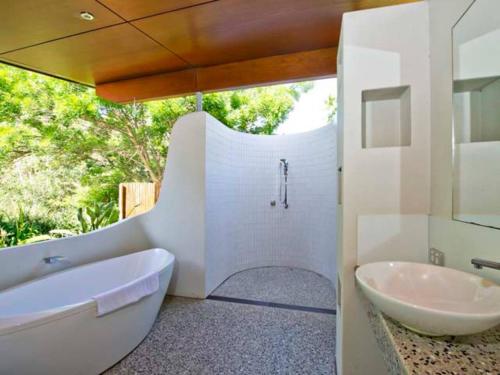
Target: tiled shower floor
[[281, 285], [217, 337]]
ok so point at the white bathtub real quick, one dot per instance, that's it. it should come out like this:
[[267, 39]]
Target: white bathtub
[[49, 326]]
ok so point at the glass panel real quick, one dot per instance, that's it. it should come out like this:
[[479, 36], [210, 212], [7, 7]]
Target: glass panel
[[476, 116]]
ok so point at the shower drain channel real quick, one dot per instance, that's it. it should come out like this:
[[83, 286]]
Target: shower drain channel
[[273, 304]]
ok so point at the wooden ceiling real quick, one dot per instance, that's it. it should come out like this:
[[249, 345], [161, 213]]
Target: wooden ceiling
[[143, 49]]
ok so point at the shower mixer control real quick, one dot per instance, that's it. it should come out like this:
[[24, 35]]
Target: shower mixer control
[[284, 182]]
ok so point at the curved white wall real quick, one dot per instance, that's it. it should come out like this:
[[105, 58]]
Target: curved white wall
[[214, 211], [176, 223], [242, 178]]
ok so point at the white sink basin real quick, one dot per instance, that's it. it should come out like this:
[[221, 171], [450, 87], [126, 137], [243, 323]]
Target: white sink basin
[[431, 300]]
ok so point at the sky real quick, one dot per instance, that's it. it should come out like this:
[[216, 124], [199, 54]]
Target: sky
[[310, 111]]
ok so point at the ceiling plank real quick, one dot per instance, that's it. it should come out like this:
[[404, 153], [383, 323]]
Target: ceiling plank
[[151, 87], [188, 34], [29, 22], [235, 30], [369, 4], [274, 69], [109, 54], [134, 9]]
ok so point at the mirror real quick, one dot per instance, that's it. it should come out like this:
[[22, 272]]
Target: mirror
[[476, 115]]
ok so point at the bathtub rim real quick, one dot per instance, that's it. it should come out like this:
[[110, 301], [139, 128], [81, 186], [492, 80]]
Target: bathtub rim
[[51, 315]]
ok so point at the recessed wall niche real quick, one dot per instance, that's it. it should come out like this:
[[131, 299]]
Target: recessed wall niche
[[386, 117], [476, 110]]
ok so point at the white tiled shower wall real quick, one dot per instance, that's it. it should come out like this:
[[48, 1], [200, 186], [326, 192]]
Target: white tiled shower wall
[[242, 177]]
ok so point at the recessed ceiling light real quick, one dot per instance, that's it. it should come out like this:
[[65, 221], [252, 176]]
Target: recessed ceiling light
[[87, 16]]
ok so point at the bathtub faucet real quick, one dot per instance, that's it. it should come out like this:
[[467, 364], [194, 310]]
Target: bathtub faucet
[[54, 259]]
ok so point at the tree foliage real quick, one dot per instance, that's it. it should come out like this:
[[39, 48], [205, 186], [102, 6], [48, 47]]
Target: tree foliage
[[96, 216], [62, 147], [331, 105], [21, 229]]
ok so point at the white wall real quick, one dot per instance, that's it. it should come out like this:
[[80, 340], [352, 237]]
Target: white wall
[[386, 118], [459, 241], [476, 179], [242, 178], [389, 46], [476, 176], [23, 263], [476, 113], [176, 224], [490, 110], [474, 40], [393, 237], [380, 48], [214, 211]]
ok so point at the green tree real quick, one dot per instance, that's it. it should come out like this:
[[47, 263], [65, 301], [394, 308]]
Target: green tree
[[331, 105], [62, 147], [43, 188], [259, 110]]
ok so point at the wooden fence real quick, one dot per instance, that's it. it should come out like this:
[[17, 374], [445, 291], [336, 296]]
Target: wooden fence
[[137, 197]]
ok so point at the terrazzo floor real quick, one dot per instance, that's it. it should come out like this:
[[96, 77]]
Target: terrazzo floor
[[214, 337], [281, 285]]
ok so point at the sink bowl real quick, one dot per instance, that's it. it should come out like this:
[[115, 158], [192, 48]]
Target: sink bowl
[[431, 300]]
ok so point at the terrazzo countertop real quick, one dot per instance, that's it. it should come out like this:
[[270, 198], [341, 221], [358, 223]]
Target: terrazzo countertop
[[407, 352]]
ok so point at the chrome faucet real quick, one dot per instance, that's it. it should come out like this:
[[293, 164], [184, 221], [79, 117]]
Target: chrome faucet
[[54, 259], [480, 263]]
